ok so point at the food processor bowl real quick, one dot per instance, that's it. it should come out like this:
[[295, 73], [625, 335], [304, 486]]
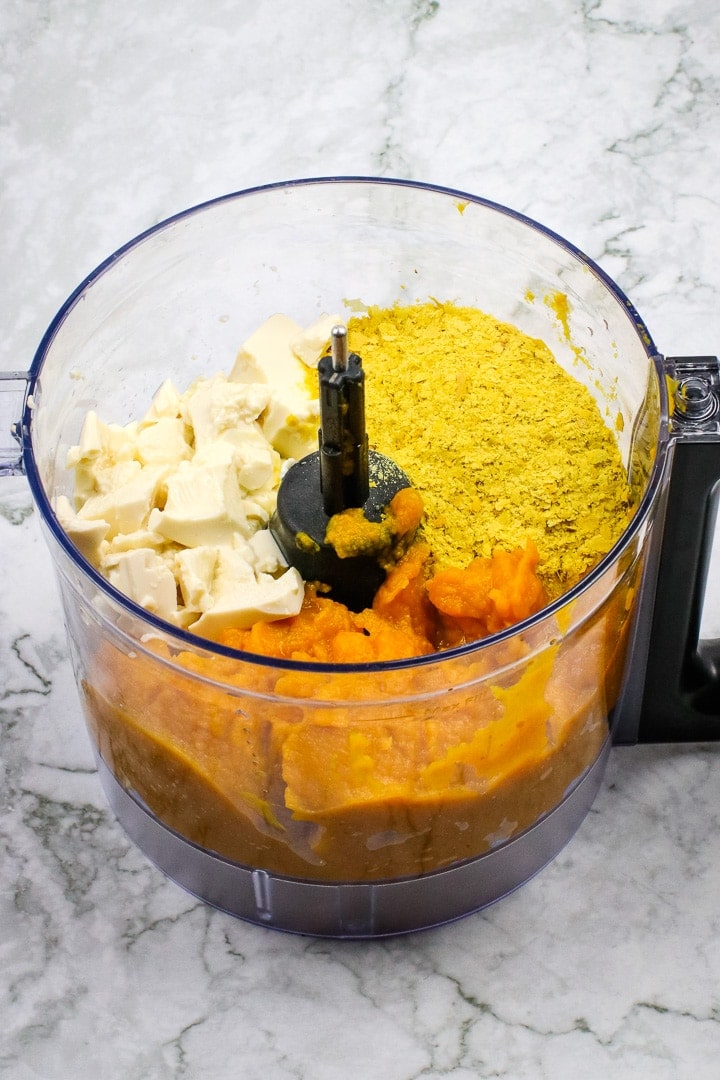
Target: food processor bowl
[[340, 800]]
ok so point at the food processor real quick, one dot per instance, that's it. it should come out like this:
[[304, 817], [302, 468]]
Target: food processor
[[359, 801]]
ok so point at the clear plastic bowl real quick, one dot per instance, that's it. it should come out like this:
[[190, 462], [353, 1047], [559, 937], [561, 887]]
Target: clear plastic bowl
[[247, 779]]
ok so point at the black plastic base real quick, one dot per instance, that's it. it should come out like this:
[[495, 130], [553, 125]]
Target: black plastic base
[[362, 909], [299, 525]]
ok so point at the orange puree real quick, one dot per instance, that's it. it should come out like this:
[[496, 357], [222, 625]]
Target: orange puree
[[339, 775], [489, 595], [412, 613], [351, 533]]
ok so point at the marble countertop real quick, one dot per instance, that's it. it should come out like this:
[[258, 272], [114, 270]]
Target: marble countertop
[[597, 118]]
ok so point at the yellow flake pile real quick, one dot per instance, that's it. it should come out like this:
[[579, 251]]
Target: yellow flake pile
[[499, 440]]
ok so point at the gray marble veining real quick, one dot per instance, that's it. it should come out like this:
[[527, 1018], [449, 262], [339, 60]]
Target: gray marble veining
[[599, 119]]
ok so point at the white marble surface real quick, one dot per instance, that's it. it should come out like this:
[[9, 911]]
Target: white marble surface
[[600, 119]]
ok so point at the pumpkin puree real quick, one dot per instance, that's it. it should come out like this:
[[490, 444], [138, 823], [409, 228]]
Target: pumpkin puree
[[412, 614], [337, 775]]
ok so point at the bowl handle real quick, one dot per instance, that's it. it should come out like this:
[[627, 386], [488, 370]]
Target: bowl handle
[[13, 390], [676, 698]]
